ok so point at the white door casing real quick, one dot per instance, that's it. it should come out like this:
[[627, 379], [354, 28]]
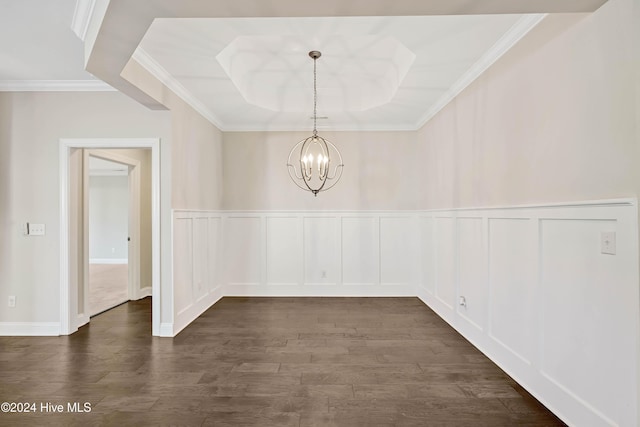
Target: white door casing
[[69, 318]]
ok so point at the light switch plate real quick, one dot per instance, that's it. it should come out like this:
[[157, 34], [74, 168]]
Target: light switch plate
[[36, 229], [608, 242]]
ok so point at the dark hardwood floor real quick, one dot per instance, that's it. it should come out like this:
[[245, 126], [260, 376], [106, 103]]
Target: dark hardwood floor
[[267, 362]]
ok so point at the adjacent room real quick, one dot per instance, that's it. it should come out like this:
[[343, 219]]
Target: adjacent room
[[284, 213], [108, 234]]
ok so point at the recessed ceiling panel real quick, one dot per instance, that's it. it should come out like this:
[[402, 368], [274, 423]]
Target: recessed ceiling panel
[[356, 72], [375, 73]]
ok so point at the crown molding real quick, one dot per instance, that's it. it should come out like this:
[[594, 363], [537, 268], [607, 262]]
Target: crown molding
[[82, 17], [328, 128], [506, 42], [54, 86], [159, 72]]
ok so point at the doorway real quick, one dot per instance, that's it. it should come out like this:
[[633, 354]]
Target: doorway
[[111, 204], [75, 158]]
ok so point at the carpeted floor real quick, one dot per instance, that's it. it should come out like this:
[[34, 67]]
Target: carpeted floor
[[108, 286]]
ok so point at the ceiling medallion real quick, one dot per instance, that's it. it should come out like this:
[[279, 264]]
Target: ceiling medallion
[[315, 164]]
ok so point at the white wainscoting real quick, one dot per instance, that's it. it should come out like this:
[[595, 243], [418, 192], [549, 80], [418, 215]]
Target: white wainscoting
[[196, 250], [221, 253], [319, 253], [542, 301]]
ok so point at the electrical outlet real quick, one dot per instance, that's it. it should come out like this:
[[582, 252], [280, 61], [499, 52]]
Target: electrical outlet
[[324, 274], [12, 301], [608, 242]]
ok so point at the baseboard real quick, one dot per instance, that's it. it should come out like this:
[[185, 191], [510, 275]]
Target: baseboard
[[108, 261], [29, 329], [83, 319], [532, 380], [318, 290], [166, 329], [142, 293], [191, 313]]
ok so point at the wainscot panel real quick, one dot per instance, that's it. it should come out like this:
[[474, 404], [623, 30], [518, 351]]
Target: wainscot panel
[[537, 292]]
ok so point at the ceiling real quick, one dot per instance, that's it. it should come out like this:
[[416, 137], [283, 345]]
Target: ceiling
[[39, 50], [246, 67], [375, 73]]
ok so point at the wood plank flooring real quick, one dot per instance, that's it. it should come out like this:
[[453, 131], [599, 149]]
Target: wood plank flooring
[[267, 362]]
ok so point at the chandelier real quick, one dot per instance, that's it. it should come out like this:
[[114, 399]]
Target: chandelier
[[315, 164]]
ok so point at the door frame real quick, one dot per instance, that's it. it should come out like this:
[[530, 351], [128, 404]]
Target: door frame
[[69, 318], [133, 216]]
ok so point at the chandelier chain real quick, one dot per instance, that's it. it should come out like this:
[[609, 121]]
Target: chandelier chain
[[315, 98]]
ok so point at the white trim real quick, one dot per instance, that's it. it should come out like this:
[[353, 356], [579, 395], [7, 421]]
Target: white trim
[[54, 86], [83, 319], [142, 293], [156, 244], [577, 204], [608, 421], [108, 261], [18, 329], [506, 42], [166, 330], [65, 291], [192, 312], [318, 290], [351, 127], [81, 17], [156, 70], [67, 325], [629, 201]]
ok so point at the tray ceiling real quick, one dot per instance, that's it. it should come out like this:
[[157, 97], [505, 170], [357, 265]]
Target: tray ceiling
[[375, 73]]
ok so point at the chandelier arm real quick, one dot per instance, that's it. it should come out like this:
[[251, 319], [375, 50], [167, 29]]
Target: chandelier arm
[[295, 172], [334, 183], [335, 172]]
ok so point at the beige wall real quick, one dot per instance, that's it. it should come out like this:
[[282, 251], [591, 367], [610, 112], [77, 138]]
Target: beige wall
[[196, 160], [378, 172], [31, 126], [196, 154], [554, 120], [7, 231]]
